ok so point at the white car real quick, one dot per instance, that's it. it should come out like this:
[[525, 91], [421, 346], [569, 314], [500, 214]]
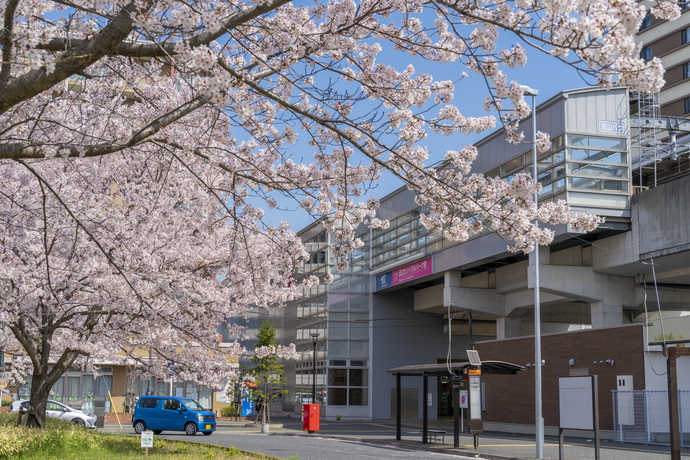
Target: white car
[[58, 410]]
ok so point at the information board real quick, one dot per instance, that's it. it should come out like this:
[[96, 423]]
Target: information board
[[576, 403], [147, 438]]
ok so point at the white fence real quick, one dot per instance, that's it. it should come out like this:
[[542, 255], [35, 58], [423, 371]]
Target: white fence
[[642, 417]]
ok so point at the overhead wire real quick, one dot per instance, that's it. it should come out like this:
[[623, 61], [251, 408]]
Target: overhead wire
[[644, 285]]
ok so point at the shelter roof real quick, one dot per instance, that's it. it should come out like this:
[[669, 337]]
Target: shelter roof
[[488, 367]]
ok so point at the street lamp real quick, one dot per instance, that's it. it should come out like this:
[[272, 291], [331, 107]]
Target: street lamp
[[539, 421], [314, 336]]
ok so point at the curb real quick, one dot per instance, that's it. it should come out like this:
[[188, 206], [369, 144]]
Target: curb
[[403, 445]]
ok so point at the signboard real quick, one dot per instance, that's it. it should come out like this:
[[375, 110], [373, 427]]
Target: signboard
[[475, 397], [474, 371], [611, 127], [147, 438], [403, 274], [463, 399], [576, 403]]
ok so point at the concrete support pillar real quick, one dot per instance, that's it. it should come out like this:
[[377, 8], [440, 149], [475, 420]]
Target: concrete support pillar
[[605, 315], [544, 255], [451, 285], [507, 327]]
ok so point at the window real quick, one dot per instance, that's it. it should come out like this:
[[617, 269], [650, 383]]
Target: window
[[686, 102], [337, 377], [320, 238], [557, 142], [358, 377], [686, 70], [172, 404], [148, 402], [318, 257], [685, 36], [646, 22], [337, 396], [646, 53], [347, 387], [593, 142], [597, 155], [512, 165], [53, 406]]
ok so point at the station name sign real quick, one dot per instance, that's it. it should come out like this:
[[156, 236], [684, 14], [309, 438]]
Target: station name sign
[[611, 127], [403, 274]]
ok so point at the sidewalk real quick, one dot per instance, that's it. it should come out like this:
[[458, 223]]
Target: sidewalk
[[494, 446]]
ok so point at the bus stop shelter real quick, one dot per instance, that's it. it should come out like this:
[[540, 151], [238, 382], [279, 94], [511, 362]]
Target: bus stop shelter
[[442, 370]]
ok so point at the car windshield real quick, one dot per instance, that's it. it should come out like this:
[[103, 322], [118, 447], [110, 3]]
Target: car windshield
[[193, 405]]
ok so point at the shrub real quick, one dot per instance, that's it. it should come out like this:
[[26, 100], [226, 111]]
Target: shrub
[[58, 434], [228, 411], [6, 402]]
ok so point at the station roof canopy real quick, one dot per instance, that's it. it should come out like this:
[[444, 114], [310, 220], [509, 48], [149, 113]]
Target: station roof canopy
[[488, 367]]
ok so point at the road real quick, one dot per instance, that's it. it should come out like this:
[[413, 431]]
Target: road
[[310, 448], [348, 440]]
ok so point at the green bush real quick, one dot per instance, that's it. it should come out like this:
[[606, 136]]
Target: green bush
[[228, 411], [6, 402], [58, 435], [62, 440]]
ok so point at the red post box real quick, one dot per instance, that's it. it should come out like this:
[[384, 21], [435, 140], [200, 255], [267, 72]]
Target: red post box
[[310, 417]]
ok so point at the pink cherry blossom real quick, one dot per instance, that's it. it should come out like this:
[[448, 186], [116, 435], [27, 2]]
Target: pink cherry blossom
[[142, 141]]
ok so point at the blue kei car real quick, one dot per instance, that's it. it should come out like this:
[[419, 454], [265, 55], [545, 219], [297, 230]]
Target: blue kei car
[[170, 413]]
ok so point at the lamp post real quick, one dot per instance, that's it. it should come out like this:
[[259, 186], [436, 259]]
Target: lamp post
[[539, 420], [314, 336]]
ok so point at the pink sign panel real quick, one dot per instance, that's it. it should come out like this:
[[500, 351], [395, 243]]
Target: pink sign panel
[[412, 271]]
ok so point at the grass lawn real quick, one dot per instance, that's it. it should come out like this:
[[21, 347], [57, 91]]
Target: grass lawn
[[63, 440]]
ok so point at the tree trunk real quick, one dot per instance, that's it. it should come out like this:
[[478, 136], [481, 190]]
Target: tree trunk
[[40, 390]]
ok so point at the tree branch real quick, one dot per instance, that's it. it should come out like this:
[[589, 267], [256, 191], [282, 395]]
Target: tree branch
[[136, 49], [6, 39], [74, 60], [31, 150]]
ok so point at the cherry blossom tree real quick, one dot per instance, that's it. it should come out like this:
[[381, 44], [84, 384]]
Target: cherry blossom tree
[[140, 141]]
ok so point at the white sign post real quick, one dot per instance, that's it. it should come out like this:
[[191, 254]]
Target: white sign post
[[147, 441], [463, 399], [578, 408]]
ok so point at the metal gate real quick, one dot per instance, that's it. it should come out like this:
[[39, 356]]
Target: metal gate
[[641, 416]]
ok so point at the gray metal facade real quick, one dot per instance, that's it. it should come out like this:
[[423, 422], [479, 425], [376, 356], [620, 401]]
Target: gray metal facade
[[590, 280]]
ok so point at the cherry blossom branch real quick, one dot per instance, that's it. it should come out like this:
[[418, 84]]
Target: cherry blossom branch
[[143, 49], [28, 150], [23, 87], [78, 222]]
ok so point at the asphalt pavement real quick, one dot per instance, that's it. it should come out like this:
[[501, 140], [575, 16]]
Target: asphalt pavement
[[284, 438]]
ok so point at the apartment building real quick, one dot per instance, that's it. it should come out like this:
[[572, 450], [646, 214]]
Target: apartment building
[[670, 41]]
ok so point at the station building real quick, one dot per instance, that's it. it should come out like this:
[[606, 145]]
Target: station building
[[412, 297]]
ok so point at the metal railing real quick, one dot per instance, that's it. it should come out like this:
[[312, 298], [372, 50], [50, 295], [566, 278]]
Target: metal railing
[[641, 416]]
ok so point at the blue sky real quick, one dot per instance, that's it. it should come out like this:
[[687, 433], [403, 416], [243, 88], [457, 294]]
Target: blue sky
[[541, 72]]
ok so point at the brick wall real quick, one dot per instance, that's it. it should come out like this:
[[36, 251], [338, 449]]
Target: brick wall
[[511, 398], [125, 419]]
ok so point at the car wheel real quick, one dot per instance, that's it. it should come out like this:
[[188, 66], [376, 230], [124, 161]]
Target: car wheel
[[190, 429], [139, 427], [208, 433], [78, 421], [157, 431]]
